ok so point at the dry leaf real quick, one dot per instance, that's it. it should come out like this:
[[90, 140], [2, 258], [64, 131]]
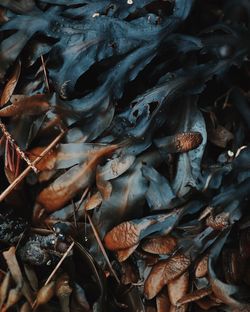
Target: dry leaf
[[180, 142], [124, 254], [63, 292], [202, 268], [195, 295], [31, 275], [160, 245], [10, 85], [162, 301], [4, 288], [163, 272], [45, 294], [94, 201], [178, 287], [15, 294], [26, 307], [10, 257]]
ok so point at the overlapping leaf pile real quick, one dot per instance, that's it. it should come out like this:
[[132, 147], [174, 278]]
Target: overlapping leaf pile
[[140, 203]]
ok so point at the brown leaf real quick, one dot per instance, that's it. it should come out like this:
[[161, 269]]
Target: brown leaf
[[10, 85], [219, 222], [129, 273], [31, 105], [202, 268], [178, 287], [47, 162], [162, 301], [4, 288], [160, 245], [10, 257], [182, 308], [163, 272], [180, 142], [124, 254], [45, 294], [31, 275], [104, 187], [94, 201], [124, 235], [195, 295], [63, 292], [26, 307], [77, 178], [14, 296]]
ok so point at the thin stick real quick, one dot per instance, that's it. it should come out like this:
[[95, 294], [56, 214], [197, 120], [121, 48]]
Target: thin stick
[[102, 248], [45, 74], [7, 191]]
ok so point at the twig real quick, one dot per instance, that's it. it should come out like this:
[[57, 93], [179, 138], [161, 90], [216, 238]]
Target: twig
[[102, 248], [45, 74], [7, 191]]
